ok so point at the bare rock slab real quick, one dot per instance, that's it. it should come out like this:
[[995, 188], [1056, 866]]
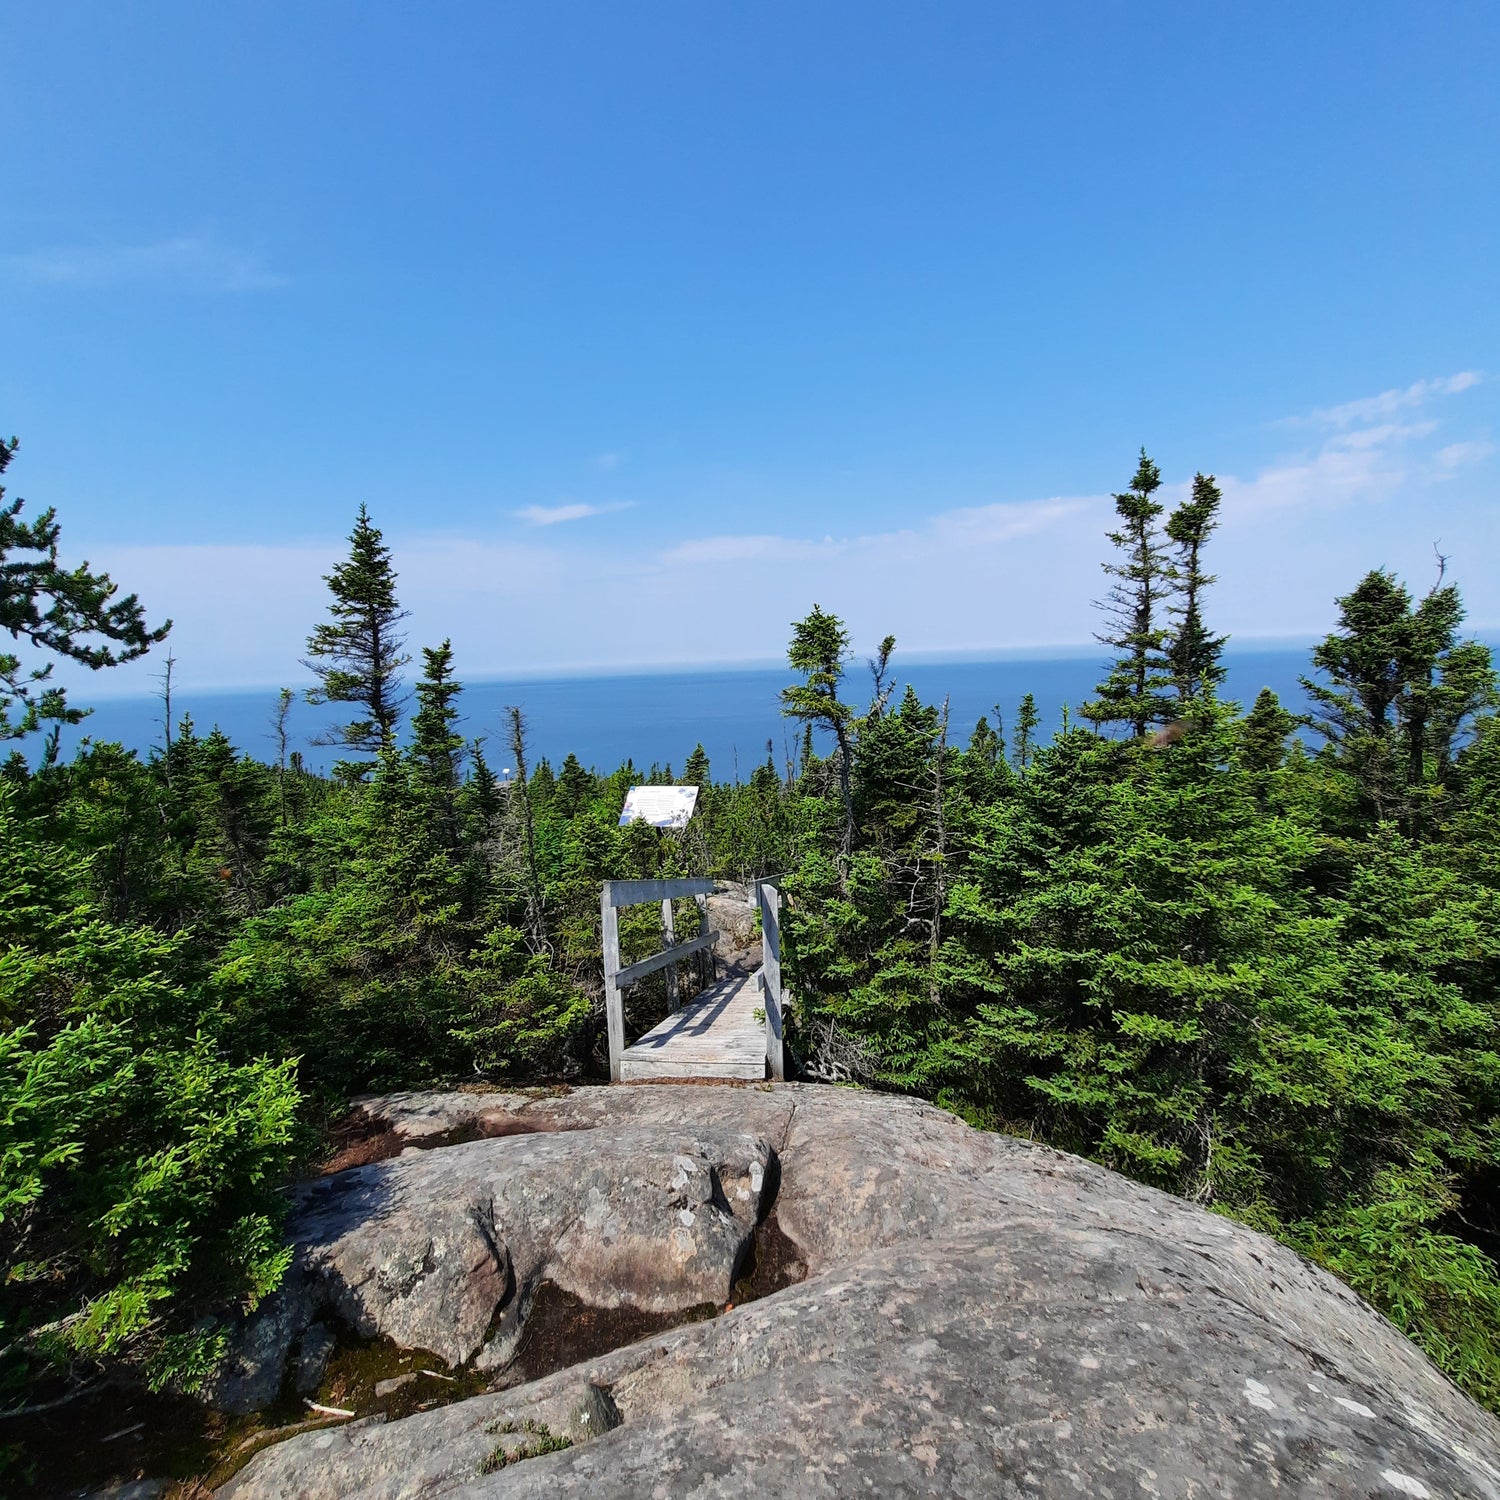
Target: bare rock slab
[[985, 1318], [442, 1250]]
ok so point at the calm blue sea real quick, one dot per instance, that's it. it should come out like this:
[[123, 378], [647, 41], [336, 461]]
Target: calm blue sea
[[657, 718]]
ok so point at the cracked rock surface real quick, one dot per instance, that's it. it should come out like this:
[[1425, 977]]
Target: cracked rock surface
[[443, 1249], [983, 1317]]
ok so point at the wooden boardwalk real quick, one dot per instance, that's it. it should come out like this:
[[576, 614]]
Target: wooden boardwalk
[[716, 1034]]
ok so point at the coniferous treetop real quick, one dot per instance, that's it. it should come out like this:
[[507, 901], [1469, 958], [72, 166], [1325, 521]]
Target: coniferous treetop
[[71, 612], [358, 655], [1194, 651], [1136, 691]]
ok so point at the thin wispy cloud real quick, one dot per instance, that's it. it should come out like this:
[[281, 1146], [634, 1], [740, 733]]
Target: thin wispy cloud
[[1389, 403], [1461, 455], [1366, 453], [188, 262], [970, 526], [743, 549], [1003, 521], [609, 461], [556, 515], [1013, 573]]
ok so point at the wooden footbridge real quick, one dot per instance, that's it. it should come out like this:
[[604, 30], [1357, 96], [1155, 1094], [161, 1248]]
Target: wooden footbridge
[[717, 1033]]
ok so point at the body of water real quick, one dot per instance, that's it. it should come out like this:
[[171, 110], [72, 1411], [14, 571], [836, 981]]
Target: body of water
[[657, 718]]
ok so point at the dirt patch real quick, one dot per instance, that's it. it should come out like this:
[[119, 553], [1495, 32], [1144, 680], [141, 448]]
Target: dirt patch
[[562, 1331], [358, 1139], [375, 1376], [361, 1138], [121, 1434], [773, 1264]]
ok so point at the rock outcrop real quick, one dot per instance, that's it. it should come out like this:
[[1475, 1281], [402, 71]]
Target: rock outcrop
[[982, 1316], [443, 1250]]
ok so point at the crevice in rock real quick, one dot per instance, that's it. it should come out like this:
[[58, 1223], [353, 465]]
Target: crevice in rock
[[772, 1262], [562, 1330]]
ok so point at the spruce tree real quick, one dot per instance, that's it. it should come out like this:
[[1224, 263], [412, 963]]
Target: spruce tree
[[575, 787], [359, 655], [1135, 692], [819, 649], [1027, 721], [1264, 732], [1193, 652], [695, 771], [1397, 680], [67, 611], [437, 748], [520, 802], [986, 745]]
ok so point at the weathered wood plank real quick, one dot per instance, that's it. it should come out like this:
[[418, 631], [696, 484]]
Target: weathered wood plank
[[642, 967], [669, 940], [770, 926], [714, 1035], [614, 1011], [635, 1070], [640, 892]]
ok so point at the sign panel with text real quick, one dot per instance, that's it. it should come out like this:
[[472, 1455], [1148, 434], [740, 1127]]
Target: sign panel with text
[[661, 806]]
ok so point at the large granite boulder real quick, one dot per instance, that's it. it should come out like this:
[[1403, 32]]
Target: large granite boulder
[[983, 1316], [444, 1249]]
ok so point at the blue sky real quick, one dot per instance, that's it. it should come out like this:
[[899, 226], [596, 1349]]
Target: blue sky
[[641, 327]]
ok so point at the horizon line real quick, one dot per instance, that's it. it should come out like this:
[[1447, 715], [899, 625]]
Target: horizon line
[[936, 656]]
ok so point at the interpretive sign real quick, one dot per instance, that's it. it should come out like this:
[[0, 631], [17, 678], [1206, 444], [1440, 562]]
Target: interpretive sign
[[661, 806]]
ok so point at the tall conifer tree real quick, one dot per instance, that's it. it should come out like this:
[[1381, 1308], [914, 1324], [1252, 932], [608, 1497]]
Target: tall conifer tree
[[358, 656], [1027, 722], [1135, 692], [437, 747], [67, 611], [819, 650], [1194, 653]]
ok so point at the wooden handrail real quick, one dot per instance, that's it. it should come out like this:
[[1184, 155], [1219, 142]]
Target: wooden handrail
[[770, 947], [627, 976], [618, 893], [639, 892]]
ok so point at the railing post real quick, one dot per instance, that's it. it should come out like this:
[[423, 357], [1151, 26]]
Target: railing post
[[669, 940], [770, 928], [705, 957], [614, 1011]]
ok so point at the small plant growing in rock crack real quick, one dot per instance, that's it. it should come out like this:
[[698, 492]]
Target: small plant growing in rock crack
[[542, 1440]]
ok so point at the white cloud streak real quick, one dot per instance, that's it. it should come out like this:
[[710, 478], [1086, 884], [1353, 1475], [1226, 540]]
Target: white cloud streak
[[189, 262], [1462, 455], [1388, 403], [1006, 574], [556, 515], [1367, 457]]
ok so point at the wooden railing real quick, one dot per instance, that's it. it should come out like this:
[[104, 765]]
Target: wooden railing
[[617, 979], [768, 894], [618, 893]]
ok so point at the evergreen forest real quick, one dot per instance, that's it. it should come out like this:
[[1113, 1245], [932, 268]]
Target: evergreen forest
[[1248, 955]]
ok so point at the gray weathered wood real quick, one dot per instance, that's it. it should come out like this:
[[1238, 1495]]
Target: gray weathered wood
[[715, 1035], [770, 927], [640, 892], [707, 963], [614, 1011], [669, 940], [642, 967]]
